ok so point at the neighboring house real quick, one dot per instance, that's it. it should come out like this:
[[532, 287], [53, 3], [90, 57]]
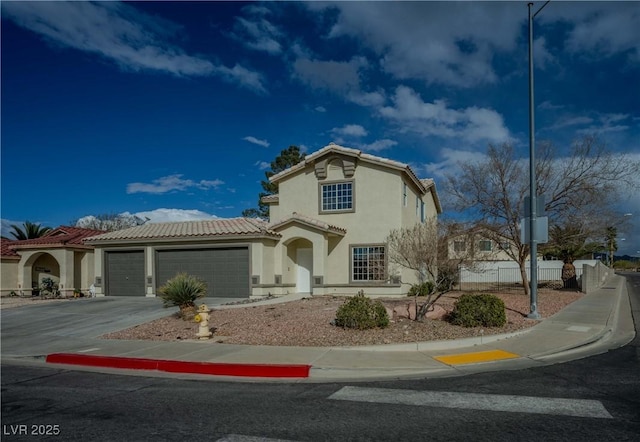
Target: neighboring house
[[327, 233], [60, 255], [479, 245]]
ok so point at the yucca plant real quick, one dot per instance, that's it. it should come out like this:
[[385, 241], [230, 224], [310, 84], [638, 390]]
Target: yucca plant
[[182, 291]]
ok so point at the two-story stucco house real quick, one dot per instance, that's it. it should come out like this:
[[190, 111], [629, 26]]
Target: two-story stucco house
[[326, 235]]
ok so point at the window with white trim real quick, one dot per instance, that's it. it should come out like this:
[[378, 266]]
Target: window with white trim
[[368, 263], [337, 196], [459, 246], [423, 217], [485, 245]]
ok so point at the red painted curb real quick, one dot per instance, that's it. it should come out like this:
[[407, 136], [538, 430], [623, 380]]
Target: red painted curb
[[210, 368]]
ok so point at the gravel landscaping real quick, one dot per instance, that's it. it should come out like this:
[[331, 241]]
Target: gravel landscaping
[[307, 322]]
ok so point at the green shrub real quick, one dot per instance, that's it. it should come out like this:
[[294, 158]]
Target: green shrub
[[424, 289], [361, 313], [49, 287], [478, 310], [182, 291]]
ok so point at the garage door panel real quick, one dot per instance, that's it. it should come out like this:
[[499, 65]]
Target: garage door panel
[[225, 270], [125, 273]]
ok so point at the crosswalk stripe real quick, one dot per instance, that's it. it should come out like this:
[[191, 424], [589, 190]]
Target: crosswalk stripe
[[473, 401], [243, 438]]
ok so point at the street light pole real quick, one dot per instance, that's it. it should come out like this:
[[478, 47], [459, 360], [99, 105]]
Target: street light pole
[[533, 244]]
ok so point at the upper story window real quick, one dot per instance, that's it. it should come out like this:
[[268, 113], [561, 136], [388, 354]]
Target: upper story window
[[336, 197], [404, 194], [423, 215], [459, 246], [485, 245]]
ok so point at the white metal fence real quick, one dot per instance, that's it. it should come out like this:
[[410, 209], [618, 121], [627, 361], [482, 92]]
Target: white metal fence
[[505, 275]]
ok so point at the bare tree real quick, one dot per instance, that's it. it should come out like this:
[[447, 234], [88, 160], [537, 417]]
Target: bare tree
[[423, 248], [110, 222], [583, 185]]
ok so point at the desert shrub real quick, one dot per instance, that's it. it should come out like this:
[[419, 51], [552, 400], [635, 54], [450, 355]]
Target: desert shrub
[[182, 291], [362, 313], [49, 287], [478, 310], [424, 289]]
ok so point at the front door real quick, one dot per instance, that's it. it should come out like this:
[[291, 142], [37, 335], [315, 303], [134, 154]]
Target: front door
[[304, 259]]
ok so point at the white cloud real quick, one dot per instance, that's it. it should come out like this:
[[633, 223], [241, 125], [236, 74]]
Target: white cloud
[[548, 105], [368, 99], [471, 124], [256, 32], [594, 122], [171, 183], [321, 109], [119, 32], [600, 28], [378, 145], [262, 165], [451, 43], [541, 54], [350, 130], [257, 141], [450, 163], [244, 77], [170, 215]]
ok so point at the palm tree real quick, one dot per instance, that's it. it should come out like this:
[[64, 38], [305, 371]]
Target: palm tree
[[612, 244], [29, 231], [568, 243]]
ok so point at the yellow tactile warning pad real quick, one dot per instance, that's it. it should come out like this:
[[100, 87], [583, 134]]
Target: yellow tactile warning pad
[[474, 358]]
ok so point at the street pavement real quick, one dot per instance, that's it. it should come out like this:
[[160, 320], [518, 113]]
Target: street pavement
[[67, 335]]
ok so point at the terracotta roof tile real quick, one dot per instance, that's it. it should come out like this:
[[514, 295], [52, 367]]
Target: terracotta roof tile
[[59, 237], [185, 229], [6, 251]]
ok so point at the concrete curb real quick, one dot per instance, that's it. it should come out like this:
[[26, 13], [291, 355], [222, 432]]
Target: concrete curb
[[209, 368]]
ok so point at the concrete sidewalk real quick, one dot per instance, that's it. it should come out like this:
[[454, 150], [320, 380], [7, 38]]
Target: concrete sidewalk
[[594, 324]]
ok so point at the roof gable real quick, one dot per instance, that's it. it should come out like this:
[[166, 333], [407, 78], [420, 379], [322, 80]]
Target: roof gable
[[357, 156], [297, 218]]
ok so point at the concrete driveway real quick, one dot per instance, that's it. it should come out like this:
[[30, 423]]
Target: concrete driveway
[[37, 330]]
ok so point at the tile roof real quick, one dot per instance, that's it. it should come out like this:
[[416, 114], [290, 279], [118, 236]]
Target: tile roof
[[240, 227], [270, 198], [430, 185], [332, 147], [63, 236], [6, 251], [310, 222]]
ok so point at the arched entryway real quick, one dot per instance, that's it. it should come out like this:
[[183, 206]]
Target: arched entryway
[[40, 266], [300, 252]]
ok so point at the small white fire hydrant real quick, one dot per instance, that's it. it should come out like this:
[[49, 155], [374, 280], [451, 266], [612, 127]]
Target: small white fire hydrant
[[203, 319]]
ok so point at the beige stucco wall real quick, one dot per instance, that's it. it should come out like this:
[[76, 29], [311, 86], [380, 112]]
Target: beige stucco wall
[[9, 275], [378, 201], [71, 269], [472, 250]]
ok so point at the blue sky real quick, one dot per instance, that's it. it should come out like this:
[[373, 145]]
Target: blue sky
[[173, 110]]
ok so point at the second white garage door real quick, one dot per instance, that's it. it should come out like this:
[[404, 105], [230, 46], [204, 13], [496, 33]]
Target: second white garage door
[[225, 270]]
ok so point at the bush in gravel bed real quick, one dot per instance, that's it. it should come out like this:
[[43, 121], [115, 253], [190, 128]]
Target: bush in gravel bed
[[362, 313], [182, 291], [478, 310], [424, 289]]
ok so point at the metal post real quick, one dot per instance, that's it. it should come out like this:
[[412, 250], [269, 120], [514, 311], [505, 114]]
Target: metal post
[[533, 244]]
